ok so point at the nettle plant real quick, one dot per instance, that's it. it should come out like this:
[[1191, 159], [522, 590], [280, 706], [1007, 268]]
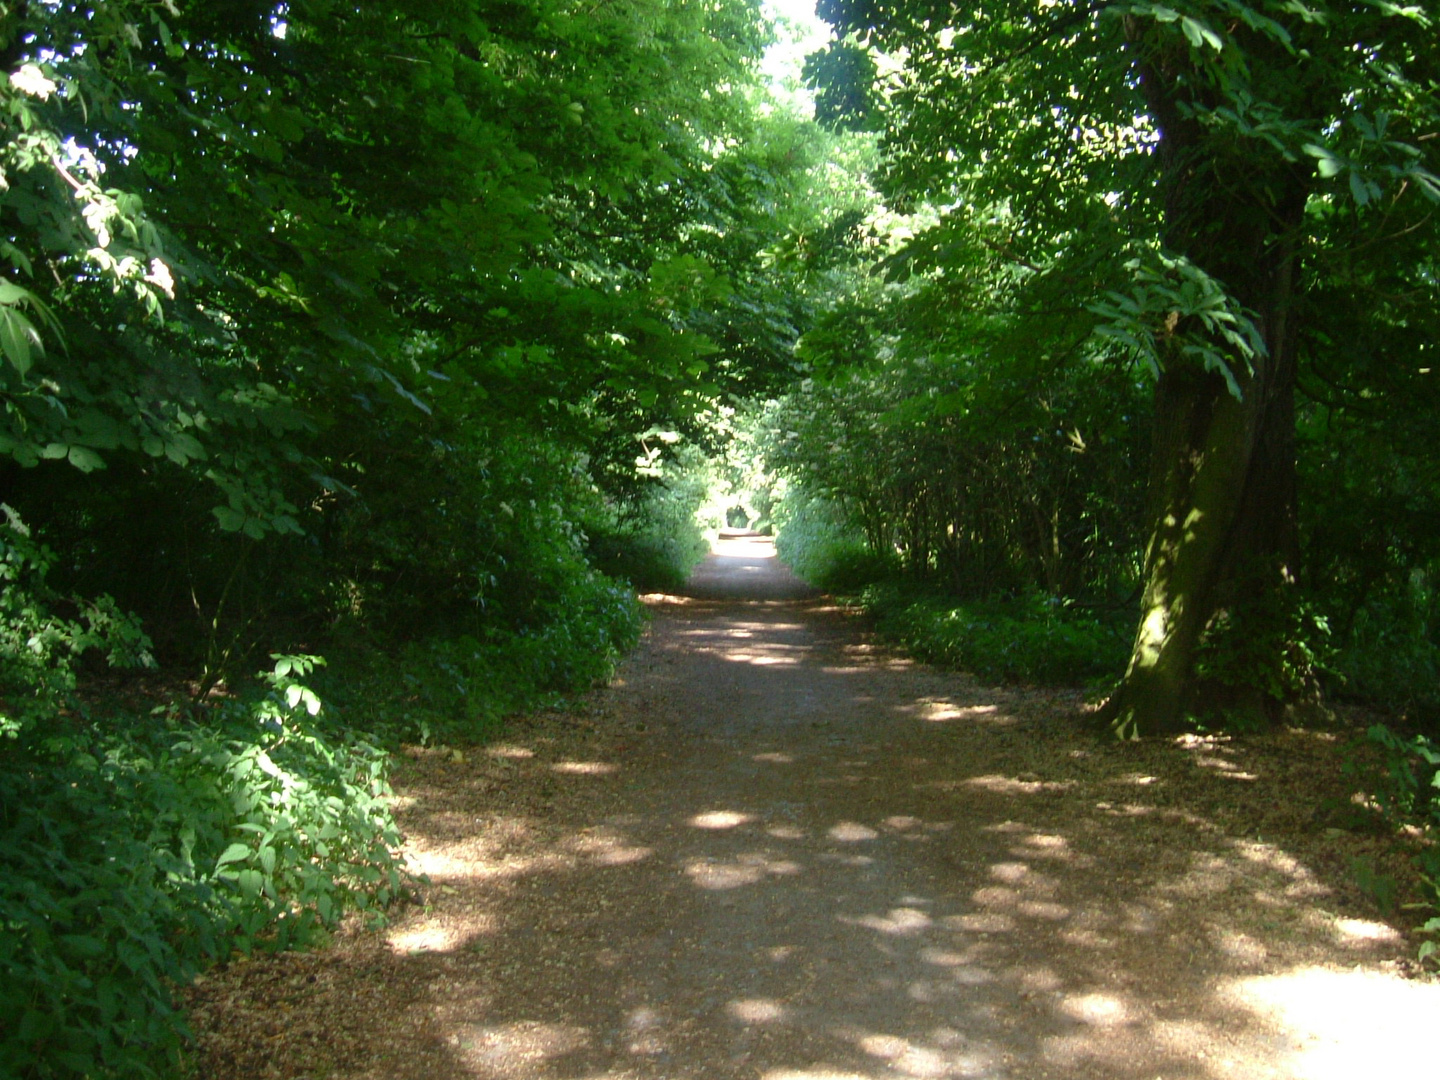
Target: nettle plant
[[136, 850], [156, 846], [309, 828]]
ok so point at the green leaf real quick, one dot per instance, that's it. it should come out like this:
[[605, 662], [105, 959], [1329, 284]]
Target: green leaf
[[1197, 33], [18, 340], [233, 853], [183, 448], [230, 519], [85, 459], [1359, 188], [1328, 163], [83, 944]]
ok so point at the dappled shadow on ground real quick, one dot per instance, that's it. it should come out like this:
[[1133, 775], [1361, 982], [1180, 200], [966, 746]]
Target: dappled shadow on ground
[[774, 851]]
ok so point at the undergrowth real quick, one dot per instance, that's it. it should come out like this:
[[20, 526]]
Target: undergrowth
[[654, 539], [1406, 786], [1030, 638], [816, 542], [141, 844], [1033, 638], [460, 689], [137, 849], [1391, 653]]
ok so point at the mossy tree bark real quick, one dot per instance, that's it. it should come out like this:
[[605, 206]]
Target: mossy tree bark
[[1222, 491], [1222, 481]]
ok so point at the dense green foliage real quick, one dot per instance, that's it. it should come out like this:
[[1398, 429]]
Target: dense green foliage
[[1408, 791], [1198, 235], [419, 335], [135, 848], [1032, 638], [985, 477], [391, 332], [655, 539], [818, 542]]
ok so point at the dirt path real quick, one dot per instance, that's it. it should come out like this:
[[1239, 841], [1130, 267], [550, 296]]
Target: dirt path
[[773, 851]]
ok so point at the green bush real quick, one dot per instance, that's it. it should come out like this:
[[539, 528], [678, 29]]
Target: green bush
[[461, 687], [1032, 638], [38, 648], [136, 851], [1391, 654], [654, 540], [1408, 789], [816, 542], [1273, 643]]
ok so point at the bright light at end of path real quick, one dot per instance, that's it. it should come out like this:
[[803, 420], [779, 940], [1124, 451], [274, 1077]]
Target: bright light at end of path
[[745, 547]]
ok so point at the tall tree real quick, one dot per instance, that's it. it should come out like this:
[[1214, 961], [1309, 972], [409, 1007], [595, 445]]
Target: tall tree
[[324, 267], [1199, 149]]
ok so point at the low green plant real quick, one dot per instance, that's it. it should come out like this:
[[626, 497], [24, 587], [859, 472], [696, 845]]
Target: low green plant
[[40, 648], [137, 848], [1275, 643], [654, 540], [817, 543], [1407, 787], [1033, 638], [1382, 888], [1391, 653], [461, 687]]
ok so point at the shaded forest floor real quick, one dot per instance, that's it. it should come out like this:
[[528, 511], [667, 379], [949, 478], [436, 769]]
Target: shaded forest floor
[[775, 850]]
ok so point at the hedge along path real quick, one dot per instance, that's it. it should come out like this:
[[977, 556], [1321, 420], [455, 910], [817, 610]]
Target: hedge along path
[[773, 850]]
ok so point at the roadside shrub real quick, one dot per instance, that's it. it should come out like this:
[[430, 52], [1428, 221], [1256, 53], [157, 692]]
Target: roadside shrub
[[816, 542], [39, 648], [1276, 644], [1391, 654], [654, 540], [462, 687], [137, 850], [1033, 638], [1407, 787]]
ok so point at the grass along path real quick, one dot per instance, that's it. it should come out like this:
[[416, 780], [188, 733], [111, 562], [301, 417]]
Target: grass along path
[[775, 851]]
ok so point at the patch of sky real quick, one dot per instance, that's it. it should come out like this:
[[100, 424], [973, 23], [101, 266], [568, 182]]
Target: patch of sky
[[798, 32]]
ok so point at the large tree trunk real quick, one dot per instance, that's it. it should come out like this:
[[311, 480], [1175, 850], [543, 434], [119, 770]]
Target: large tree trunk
[[1223, 511], [1222, 479]]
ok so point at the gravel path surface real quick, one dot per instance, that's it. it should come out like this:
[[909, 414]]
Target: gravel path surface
[[775, 851]]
